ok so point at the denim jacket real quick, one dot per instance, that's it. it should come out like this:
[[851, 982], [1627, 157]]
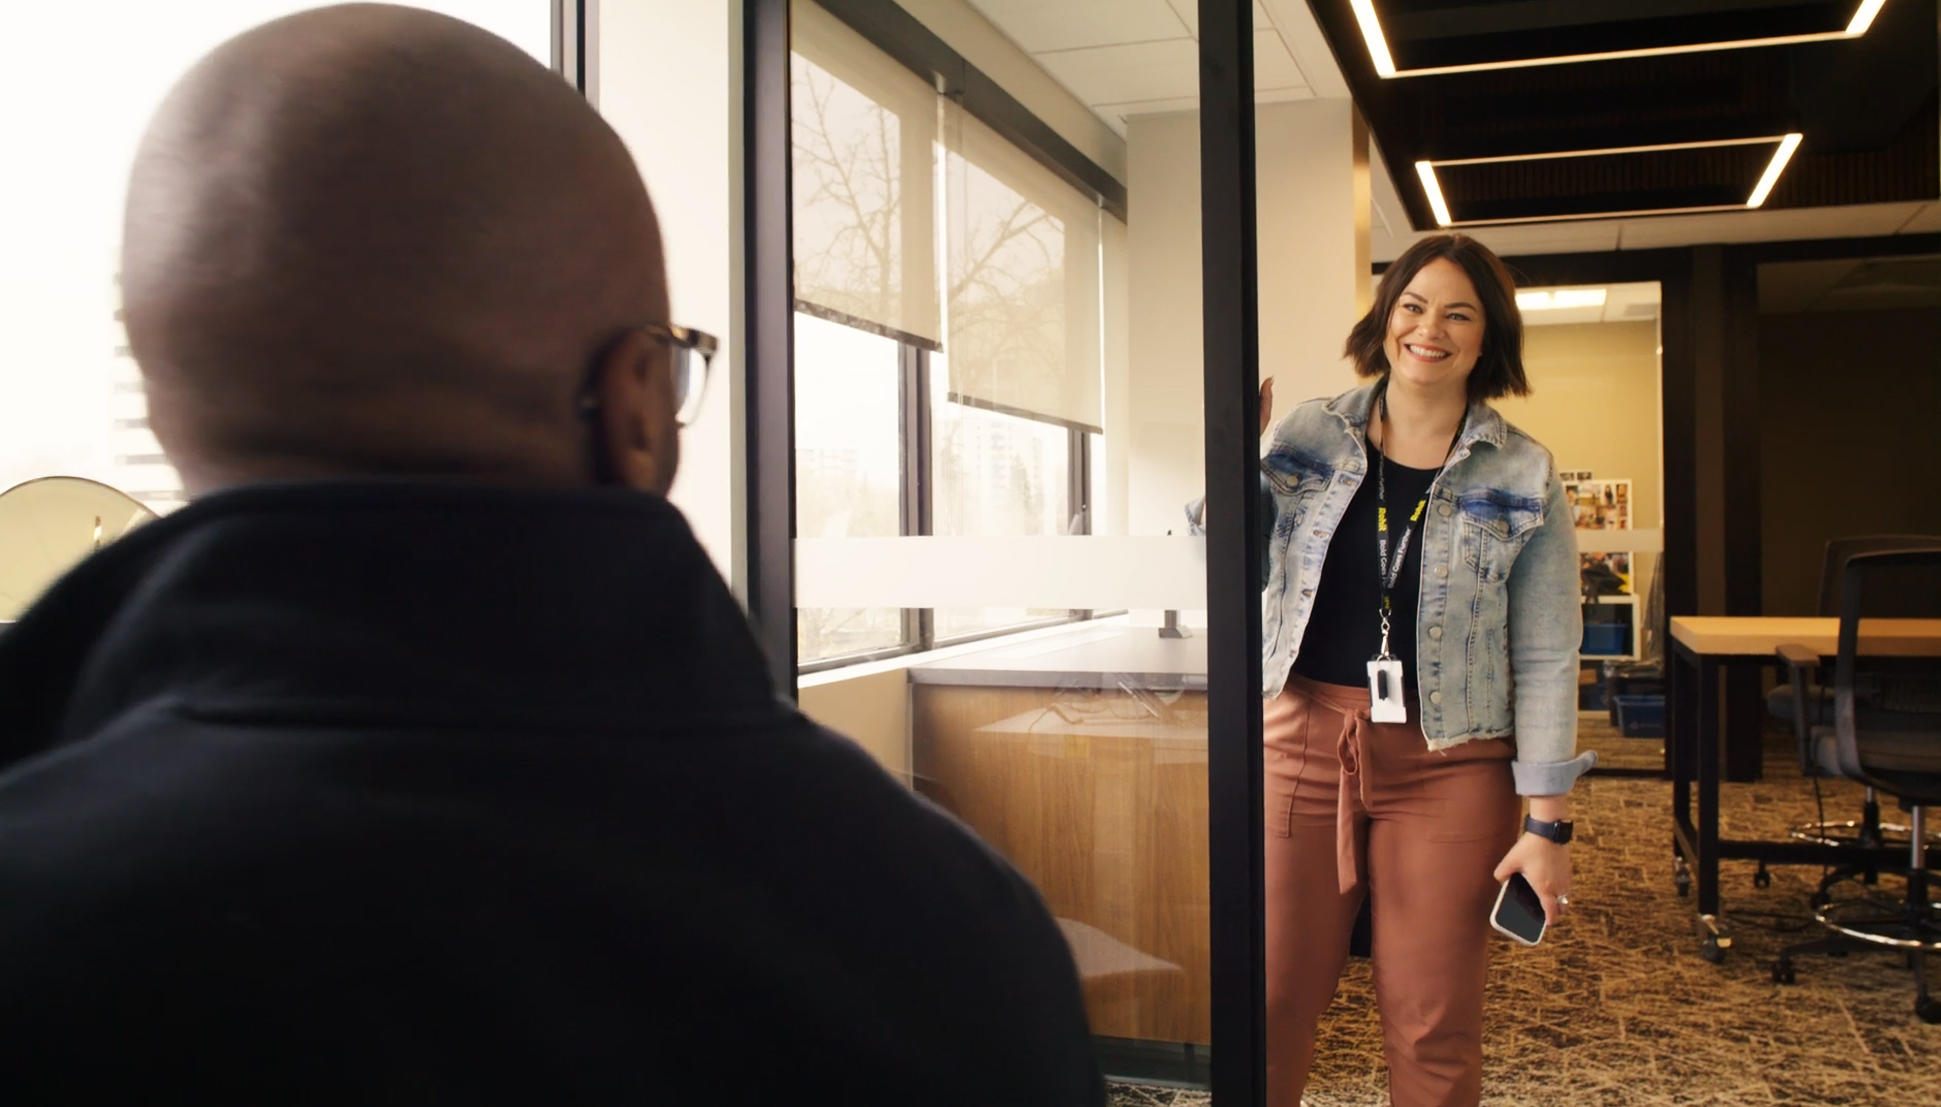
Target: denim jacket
[[1498, 625]]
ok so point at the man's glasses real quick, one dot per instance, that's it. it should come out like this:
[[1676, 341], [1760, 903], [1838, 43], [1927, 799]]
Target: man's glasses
[[693, 353]]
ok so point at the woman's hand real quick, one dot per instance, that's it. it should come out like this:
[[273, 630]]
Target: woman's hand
[[1546, 865], [1266, 404]]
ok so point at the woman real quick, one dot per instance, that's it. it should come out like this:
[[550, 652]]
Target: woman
[[1423, 556]]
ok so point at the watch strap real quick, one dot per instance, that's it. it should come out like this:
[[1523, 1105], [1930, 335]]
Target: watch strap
[[1558, 832]]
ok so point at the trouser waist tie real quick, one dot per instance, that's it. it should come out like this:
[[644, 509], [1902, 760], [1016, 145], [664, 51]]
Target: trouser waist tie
[[1351, 749]]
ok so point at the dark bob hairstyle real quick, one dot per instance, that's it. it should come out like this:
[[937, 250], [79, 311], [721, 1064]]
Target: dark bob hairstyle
[[1499, 371]]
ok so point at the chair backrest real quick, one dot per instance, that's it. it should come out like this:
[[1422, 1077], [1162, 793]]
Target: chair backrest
[[1919, 597], [1887, 710]]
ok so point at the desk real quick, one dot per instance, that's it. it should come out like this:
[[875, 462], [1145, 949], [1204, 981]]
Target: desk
[[1081, 757], [1702, 648]]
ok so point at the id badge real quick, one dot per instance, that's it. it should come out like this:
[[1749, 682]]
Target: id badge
[[1386, 704]]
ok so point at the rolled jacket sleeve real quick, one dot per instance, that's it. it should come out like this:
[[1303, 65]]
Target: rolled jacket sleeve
[[1546, 628]]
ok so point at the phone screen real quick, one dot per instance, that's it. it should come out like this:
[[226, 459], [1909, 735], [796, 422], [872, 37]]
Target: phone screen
[[1518, 910]]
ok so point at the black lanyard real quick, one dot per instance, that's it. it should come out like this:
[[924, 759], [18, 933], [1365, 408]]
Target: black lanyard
[[1392, 571]]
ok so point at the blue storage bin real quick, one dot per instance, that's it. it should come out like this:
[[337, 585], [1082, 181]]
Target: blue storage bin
[[1641, 716], [1605, 639]]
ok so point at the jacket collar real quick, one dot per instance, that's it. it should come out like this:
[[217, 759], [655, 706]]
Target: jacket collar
[[1356, 406], [390, 604]]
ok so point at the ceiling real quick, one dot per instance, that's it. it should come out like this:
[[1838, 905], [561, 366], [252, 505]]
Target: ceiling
[[1517, 136], [1123, 58], [1867, 164]]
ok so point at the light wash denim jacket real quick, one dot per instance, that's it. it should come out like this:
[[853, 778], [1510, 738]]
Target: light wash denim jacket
[[1498, 625]]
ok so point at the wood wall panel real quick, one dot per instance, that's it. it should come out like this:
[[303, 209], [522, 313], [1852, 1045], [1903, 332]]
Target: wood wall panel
[[1108, 817]]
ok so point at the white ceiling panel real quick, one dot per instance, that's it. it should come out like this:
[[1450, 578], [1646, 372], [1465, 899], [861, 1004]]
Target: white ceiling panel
[[1117, 114], [1039, 26], [1120, 74], [1282, 95], [1189, 14], [1273, 66], [1925, 221]]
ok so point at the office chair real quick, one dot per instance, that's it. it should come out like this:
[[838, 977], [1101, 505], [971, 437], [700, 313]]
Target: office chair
[[1913, 598], [1886, 733]]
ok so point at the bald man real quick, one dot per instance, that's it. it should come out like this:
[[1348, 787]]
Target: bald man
[[424, 758]]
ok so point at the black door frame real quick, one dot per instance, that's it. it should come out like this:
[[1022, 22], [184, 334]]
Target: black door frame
[[1230, 302]]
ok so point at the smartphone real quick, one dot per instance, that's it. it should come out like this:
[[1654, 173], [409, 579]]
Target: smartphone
[[1518, 913]]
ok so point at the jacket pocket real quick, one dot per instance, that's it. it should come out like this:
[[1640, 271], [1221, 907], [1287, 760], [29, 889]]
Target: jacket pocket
[[1495, 527]]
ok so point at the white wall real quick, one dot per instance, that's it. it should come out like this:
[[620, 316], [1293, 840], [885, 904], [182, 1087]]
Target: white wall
[[1166, 462], [1313, 213], [669, 81], [1313, 218]]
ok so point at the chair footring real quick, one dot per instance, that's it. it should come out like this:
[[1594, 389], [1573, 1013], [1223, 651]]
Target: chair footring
[[1848, 833], [1880, 923]]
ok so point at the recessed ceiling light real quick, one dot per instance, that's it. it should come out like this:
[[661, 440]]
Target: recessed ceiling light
[[1561, 298], [1773, 169], [1371, 33], [1427, 172], [1864, 18], [1787, 144]]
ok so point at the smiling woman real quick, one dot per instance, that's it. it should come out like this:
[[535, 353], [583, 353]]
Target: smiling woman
[[1415, 500]]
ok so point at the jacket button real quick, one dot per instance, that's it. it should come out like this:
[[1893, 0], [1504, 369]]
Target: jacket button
[[1435, 632], [1444, 510], [1435, 698], [1442, 570]]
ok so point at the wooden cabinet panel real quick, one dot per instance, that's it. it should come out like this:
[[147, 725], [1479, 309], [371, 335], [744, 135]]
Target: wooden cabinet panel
[[1100, 800]]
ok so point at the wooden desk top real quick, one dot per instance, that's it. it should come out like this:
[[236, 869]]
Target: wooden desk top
[[1761, 636]]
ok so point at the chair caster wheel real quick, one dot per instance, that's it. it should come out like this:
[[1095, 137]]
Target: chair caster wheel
[[1762, 879], [1783, 973], [1929, 1010], [1712, 951]]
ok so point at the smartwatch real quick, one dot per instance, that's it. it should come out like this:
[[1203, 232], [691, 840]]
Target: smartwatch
[[1558, 832]]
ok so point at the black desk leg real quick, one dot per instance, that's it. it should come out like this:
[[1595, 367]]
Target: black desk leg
[[1745, 723], [1681, 761], [1712, 945]]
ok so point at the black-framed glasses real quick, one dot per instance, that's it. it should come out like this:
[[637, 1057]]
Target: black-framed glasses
[[693, 354]]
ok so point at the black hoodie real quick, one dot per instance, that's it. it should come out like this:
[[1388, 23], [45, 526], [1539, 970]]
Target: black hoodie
[[387, 793]]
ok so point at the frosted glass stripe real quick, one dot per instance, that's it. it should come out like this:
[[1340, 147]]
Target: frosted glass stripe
[[1099, 573]]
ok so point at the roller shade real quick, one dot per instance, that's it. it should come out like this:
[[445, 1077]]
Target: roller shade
[[865, 138], [1023, 292]]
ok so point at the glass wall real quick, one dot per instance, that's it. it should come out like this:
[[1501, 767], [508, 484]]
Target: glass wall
[[962, 284], [75, 95]]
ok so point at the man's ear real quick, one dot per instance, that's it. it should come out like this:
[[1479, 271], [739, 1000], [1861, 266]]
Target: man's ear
[[638, 434]]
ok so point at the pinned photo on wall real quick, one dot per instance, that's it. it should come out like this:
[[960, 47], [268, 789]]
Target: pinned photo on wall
[[1600, 504]]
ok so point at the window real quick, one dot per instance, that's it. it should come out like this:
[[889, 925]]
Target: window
[[71, 399], [949, 310], [848, 469]]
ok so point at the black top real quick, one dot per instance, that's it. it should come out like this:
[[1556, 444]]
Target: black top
[[399, 794], [1345, 631]]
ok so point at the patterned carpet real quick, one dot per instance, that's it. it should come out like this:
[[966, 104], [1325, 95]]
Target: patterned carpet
[[1617, 1009]]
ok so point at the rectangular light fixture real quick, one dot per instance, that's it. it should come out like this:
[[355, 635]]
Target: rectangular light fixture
[[1560, 299], [1773, 169], [1426, 170], [1431, 186], [1864, 18], [1371, 33]]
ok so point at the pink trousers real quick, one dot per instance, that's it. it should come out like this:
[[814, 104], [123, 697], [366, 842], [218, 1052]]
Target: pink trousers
[[1358, 809]]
